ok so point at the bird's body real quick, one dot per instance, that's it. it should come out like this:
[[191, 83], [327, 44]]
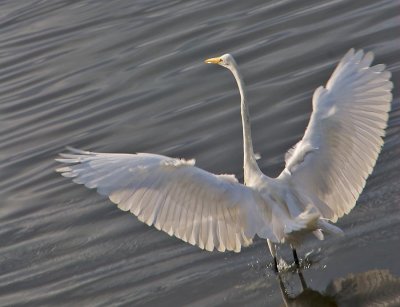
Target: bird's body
[[323, 177]]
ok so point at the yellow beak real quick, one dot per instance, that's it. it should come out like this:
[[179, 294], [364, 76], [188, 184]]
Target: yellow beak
[[213, 61]]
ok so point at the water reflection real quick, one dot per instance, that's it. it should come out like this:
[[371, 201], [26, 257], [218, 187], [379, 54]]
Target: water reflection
[[371, 288]]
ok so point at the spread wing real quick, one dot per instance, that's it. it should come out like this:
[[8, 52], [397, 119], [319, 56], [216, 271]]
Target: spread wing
[[344, 136], [211, 211]]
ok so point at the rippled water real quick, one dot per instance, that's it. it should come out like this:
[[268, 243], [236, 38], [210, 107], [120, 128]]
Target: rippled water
[[128, 76]]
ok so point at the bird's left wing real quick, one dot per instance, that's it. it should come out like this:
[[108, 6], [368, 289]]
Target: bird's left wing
[[330, 165], [211, 211]]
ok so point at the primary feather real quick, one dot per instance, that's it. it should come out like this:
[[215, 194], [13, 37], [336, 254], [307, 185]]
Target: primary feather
[[211, 211], [344, 136]]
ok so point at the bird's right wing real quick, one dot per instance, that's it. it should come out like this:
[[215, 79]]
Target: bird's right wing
[[330, 165], [211, 211]]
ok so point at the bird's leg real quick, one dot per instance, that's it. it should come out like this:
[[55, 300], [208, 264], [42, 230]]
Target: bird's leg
[[276, 265], [302, 280], [272, 250], [296, 259], [284, 292]]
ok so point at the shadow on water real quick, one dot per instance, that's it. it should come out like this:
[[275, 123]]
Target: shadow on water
[[371, 288]]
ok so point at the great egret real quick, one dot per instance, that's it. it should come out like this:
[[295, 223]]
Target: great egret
[[324, 174]]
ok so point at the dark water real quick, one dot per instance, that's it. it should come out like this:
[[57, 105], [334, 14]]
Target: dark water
[[128, 76]]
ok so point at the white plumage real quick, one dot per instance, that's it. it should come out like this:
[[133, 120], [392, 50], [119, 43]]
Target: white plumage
[[344, 136], [211, 211], [324, 174]]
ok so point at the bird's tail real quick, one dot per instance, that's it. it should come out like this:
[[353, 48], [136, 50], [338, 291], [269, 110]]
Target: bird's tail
[[325, 226], [310, 220], [305, 221]]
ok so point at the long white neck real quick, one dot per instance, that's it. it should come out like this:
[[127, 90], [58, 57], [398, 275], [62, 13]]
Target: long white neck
[[250, 164]]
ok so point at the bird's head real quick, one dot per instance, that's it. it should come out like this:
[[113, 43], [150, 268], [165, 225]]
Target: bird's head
[[225, 60]]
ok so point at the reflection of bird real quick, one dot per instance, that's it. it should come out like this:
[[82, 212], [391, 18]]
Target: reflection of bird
[[307, 297], [372, 288], [324, 174]]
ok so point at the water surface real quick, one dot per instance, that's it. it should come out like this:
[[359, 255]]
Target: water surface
[[128, 76]]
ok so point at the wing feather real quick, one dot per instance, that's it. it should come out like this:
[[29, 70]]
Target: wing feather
[[213, 212], [344, 136]]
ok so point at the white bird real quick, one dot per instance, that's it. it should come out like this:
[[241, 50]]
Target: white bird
[[324, 174]]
